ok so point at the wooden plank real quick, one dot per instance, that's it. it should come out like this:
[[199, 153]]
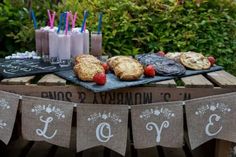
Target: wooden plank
[[51, 80], [222, 79], [3, 149], [73, 139], [173, 152], [205, 150], [167, 83], [234, 150], [18, 80], [40, 149], [129, 96], [64, 152], [223, 148], [196, 81], [96, 151], [18, 148], [130, 146], [150, 152]]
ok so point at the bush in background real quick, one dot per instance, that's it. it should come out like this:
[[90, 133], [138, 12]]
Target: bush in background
[[137, 26]]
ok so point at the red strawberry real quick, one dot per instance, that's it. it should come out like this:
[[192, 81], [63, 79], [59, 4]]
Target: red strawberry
[[212, 60], [149, 71], [100, 78], [106, 67], [161, 53]]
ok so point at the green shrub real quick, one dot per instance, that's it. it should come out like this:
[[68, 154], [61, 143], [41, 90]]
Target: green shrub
[[17, 32], [138, 26]]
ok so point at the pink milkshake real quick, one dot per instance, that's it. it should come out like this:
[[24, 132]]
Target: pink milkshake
[[53, 46], [64, 51], [77, 41]]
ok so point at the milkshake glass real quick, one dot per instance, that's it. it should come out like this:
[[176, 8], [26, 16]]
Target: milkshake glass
[[38, 41], [53, 47], [96, 44], [45, 43], [77, 41], [86, 42], [64, 52]]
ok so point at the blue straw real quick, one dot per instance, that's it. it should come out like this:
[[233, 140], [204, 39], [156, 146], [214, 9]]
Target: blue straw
[[34, 19], [85, 16], [100, 23], [60, 20], [64, 19], [65, 14]]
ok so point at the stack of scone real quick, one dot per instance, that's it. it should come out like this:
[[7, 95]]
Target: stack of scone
[[125, 68], [86, 66]]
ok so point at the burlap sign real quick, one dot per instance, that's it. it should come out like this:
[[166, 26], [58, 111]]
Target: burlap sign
[[157, 124], [211, 117], [8, 109], [102, 125], [47, 120]]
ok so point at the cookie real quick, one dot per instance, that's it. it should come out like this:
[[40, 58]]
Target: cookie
[[162, 65], [174, 56], [196, 61]]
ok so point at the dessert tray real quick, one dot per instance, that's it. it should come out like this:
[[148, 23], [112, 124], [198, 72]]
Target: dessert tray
[[115, 83]]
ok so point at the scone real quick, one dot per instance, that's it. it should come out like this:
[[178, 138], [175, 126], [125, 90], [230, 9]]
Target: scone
[[86, 70], [113, 61], [196, 61], [86, 58], [86, 66], [128, 70]]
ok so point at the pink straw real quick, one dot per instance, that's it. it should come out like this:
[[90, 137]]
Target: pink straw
[[67, 22], [73, 19], [51, 18]]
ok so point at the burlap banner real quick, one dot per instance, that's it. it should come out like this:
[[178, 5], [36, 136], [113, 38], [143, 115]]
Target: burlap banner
[[8, 109], [102, 125], [47, 120], [211, 117], [157, 124]]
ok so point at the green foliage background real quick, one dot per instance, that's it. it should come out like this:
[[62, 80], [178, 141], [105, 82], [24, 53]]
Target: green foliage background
[[134, 26]]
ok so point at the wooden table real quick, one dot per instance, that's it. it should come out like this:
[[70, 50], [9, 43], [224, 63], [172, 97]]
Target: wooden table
[[53, 87]]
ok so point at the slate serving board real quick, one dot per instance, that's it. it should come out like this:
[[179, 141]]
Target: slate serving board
[[114, 83], [10, 68]]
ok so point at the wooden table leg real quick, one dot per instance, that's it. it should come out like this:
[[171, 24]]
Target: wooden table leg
[[223, 148]]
